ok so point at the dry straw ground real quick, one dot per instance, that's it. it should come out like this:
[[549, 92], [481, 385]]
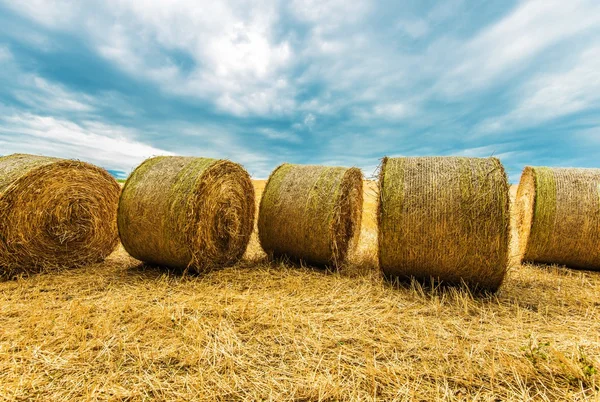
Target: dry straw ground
[[257, 331]]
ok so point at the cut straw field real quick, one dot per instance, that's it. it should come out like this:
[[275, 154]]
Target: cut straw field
[[271, 331]]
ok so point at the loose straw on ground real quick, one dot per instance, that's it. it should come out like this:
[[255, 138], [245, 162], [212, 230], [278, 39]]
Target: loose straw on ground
[[54, 214], [558, 216], [187, 213], [311, 213], [445, 218]]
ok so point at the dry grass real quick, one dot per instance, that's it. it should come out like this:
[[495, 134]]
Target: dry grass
[[257, 331]]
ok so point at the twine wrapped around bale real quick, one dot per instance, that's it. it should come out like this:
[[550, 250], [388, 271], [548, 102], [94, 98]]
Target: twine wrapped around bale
[[445, 218], [311, 213], [54, 214], [187, 213], [558, 216]]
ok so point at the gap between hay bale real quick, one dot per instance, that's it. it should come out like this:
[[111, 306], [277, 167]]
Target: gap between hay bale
[[311, 213], [54, 214], [186, 212], [558, 213], [445, 218]]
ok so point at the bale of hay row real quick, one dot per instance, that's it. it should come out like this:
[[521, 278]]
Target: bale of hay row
[[445, 218], [558, 216], [311, 213], [54, 213], [187, 213]]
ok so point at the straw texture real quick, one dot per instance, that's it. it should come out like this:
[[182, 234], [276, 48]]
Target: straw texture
[[445, 218], [558, 215], [54, 214], [311, 213], [188, 213]]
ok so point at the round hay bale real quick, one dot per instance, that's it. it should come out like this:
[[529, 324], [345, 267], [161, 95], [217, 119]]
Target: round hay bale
[[187, 213], [54, 214], [311, 213], [558, 216], [445, 218]]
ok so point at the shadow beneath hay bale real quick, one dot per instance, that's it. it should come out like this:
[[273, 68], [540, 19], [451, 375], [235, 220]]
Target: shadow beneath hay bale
[[561, 270], [151, 271], [154, 271], [278, 261], [435, 287]]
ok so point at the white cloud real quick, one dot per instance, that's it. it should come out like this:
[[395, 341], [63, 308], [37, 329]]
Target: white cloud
[[5, 54], [310, 120], [414, 28], [590, 136], [553, 95], [330, 14], [113, 147], [280, 135], [505, 47], [37, 92], [393, 111], [51, 14], [235, 60]]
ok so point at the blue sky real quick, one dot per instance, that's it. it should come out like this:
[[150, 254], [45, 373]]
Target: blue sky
[[322, 82]]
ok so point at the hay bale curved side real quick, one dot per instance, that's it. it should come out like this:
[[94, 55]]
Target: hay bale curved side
[[186, 212], [446, 218], [558, 215], [311, 213], [54, 214]]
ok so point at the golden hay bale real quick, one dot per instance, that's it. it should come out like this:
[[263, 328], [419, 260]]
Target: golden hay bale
[[311, 213], [558, 216], [187, 213], [54, 213], [445, 218]]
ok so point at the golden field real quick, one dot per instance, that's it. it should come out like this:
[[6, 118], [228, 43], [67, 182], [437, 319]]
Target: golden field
[[270, 331]]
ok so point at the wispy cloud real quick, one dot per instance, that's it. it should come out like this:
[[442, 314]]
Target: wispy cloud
[[301, 81], [111, 146], [553, 95], [506, 48]]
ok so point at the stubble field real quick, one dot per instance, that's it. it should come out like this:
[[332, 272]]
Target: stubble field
[[272, 331]]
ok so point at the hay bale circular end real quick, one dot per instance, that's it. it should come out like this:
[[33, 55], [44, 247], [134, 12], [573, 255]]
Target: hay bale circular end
[[445, 218], [187, 213], [311, 213], [524, 206], [558, 216], [54, 214]]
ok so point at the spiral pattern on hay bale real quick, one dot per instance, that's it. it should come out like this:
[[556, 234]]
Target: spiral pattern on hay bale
[[187, 213], [558, 216], [445, 218], [311, 213], [54, 214]]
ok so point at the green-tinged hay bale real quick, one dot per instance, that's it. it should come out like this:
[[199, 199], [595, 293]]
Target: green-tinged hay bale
[[54, 214], [558, 216], [187, 213], [445, 218], [311, 213]]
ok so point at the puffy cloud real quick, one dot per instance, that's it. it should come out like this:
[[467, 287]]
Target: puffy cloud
[[305, 81]]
